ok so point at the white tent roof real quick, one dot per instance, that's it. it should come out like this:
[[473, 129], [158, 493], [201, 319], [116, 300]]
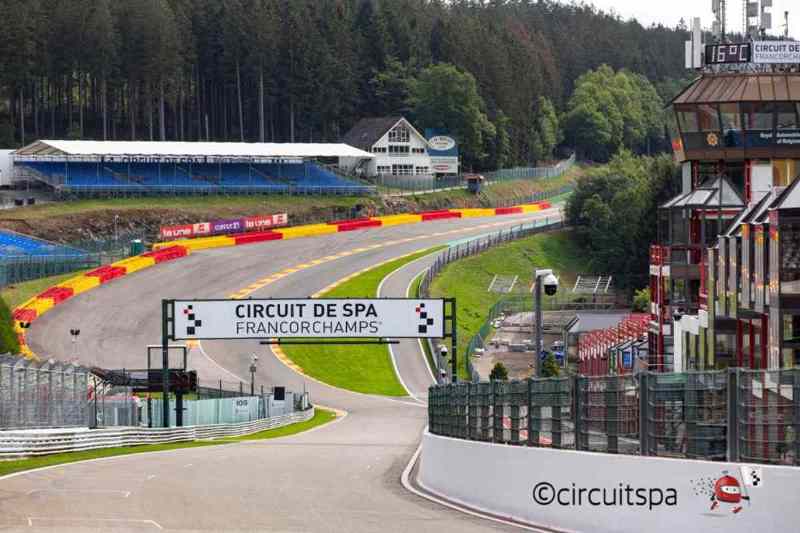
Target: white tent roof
[[190, 149]]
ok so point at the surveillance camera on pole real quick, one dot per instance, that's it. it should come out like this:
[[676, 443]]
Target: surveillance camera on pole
[[550, 283], [546, 278]]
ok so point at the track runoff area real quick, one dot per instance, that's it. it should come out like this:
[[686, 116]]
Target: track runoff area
[[344, 476]]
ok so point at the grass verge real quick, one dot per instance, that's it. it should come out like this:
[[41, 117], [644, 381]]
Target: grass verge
[[321, 416], [468, 279], [360, 368]]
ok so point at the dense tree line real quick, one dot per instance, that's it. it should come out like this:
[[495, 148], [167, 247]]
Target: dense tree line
[[610, 110], [613, 211], [305, 70]]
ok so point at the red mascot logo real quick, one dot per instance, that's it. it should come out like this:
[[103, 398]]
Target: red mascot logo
[[728, 490]]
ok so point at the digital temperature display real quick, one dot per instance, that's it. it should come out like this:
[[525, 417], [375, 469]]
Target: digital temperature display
[[717, 54]]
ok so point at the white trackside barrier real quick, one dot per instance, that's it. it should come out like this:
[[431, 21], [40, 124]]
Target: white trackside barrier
[[567, 490], [49, 441]]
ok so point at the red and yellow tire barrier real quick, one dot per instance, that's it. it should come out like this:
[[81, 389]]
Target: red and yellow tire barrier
[[309, 230], [106, 273], [356, 224], [44, 301], [260, 236], [169, 251], [396, 220], [475, 212], [136, 263], [516, 210], [168, 254], [440, 215]]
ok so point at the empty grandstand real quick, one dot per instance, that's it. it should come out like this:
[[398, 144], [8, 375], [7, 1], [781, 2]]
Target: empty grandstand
[[17, 245], [122, 167]]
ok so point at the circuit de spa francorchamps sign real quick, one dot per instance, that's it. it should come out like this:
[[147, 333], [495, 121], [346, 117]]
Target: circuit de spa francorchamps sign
[[312, 318]]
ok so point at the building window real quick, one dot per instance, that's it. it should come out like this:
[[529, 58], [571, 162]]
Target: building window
[[398, 150], [422, 170], [708, 118], [384, 170], [378, 149], [402, 170], [758, 116], [418, 150], [688, 121], [400, 134], [731, 117], [788, 116]]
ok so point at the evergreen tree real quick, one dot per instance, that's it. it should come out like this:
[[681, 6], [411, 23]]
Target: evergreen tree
[[499, 372], [550, 368]]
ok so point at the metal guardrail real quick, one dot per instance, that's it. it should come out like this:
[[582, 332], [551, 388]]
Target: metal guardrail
[[733, 415], [29, 443]]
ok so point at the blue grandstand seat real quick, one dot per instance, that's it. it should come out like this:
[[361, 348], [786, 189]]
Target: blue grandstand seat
[[14, 244], [195, 177]]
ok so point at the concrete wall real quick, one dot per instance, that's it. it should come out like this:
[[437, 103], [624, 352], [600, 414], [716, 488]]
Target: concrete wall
[[502, 480]]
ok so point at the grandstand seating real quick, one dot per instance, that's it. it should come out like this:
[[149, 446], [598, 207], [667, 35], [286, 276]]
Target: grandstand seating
[[303, 177], [14, 245]]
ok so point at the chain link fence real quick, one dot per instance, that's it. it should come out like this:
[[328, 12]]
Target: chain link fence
[[46, 395], [733, 415], [418, 184], [517, 173]]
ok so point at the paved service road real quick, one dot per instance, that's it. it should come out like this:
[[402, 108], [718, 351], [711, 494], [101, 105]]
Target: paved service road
[[341, 477]]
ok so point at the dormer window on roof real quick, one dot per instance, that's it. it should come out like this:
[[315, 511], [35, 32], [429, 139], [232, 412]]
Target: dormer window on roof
[[399, 134]]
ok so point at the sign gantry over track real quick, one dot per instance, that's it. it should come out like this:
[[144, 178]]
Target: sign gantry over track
[[307, 321], [307, 318]]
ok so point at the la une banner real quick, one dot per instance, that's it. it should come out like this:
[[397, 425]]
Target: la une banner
[[315, 318]]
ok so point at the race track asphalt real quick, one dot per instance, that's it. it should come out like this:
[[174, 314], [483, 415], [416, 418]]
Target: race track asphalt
[[342, 477]]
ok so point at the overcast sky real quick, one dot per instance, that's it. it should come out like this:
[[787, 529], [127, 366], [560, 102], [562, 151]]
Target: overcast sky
[[669, 12]]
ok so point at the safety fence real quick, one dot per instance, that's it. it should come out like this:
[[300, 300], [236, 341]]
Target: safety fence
[[55, 394], [43, 395], [228, 410], [419, 184], [733, 415], [91, 253], [28, 443], [517, 173]]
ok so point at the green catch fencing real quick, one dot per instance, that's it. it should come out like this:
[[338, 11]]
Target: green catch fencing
[[729, 415], [405, 185], [96, 252]]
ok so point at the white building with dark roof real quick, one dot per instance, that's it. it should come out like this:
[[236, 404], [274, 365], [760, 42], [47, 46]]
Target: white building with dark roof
[[399, 149]]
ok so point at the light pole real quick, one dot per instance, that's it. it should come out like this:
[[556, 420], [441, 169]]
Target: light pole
[[116, 234], [547, 278], [75, 333], [443, 354], [253, 360]]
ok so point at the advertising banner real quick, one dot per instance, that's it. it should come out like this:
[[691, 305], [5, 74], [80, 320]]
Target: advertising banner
[[176, 232], [201, 228], [317, 318], [224, 227], [221, 227], [776, 52], [261, 222]]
